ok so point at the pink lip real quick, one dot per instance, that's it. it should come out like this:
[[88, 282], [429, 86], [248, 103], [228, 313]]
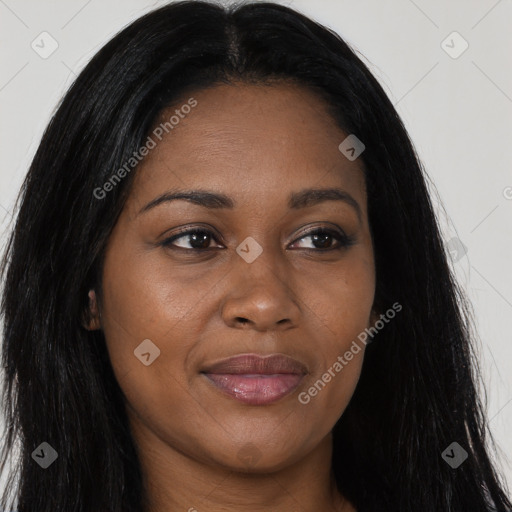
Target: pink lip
[[254, 379]]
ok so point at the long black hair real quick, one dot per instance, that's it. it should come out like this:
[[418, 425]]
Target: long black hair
[[418, 388]]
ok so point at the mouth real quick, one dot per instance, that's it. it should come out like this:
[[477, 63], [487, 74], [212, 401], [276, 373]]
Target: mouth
[[255, 379]]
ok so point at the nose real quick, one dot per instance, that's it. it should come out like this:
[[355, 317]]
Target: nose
[[260, 296]]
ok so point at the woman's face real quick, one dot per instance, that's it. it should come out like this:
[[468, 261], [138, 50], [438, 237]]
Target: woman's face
[[257, 279]]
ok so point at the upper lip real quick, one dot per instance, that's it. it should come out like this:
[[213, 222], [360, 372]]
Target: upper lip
[[257, 364]]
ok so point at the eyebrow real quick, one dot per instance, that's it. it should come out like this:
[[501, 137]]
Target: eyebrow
[[297, 200]]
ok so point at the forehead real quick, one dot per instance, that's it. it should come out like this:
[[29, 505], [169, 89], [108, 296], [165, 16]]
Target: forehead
[[256, 143]]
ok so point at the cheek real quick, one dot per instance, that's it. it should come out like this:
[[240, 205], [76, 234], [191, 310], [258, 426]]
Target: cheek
[[145, 295], [150, 328], [342, 297], [342, 305], [141, 302]]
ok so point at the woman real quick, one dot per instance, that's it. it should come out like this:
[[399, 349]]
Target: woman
[[226, 288]]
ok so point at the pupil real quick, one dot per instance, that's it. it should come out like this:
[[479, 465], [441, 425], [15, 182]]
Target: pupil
[[201, 244], [325, 235]]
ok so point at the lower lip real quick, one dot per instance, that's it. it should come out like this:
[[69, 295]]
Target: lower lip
[[256, 389]]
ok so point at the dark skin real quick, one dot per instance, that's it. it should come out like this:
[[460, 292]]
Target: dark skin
[[256, 144]]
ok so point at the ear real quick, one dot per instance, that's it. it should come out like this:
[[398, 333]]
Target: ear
[[91, 320]]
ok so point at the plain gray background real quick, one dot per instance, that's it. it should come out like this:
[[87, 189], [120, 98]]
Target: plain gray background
[[456, 103]]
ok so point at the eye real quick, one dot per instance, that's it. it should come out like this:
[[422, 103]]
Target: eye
[[198, 239], [323, 238]]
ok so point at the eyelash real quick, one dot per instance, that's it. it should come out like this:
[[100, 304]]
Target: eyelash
[[343, 239]]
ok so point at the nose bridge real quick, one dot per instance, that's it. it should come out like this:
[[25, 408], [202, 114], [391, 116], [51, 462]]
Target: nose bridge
[[261, 261], [259, 248]]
